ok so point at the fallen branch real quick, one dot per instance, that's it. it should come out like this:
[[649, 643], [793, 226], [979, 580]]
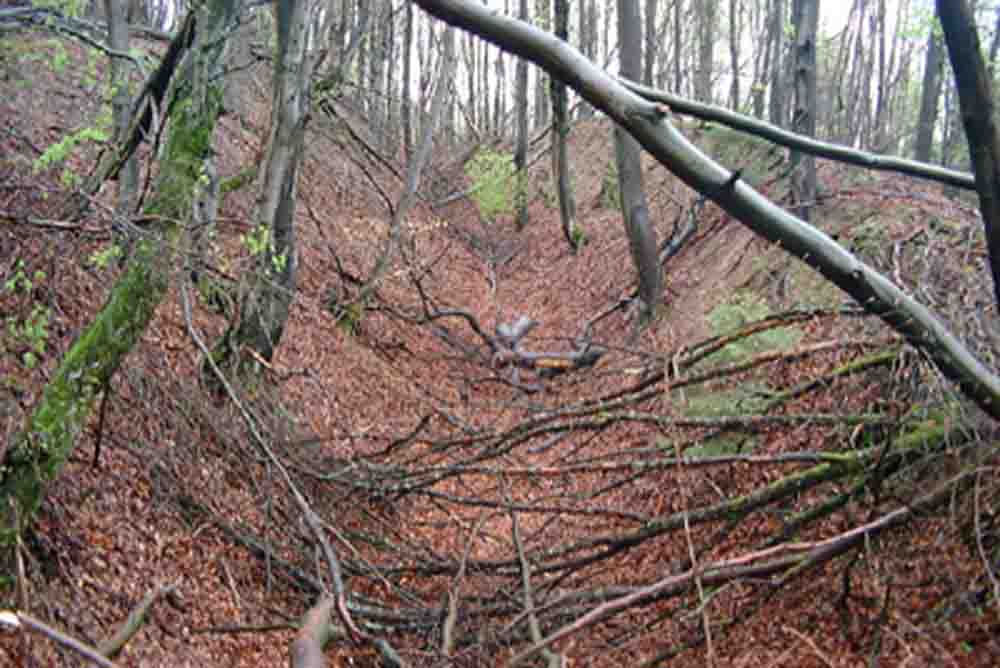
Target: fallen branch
[[786, 561], [18, 620], [113, 645], [316, 631]]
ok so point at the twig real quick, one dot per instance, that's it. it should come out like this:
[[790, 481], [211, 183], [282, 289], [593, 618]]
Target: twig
[[809, 641], [693, 556], [116, 642], [553, 659], [451, 619], [23, 619]]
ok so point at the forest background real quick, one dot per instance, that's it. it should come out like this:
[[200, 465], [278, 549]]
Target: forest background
[[445, 333]]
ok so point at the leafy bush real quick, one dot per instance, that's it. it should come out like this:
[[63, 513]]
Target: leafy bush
[[495, 187], [28, 334]]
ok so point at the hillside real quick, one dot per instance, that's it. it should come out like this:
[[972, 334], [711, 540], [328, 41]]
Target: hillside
[[438, 472]]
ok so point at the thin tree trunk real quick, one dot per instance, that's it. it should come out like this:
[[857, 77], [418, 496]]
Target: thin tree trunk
[[805, 19], [121, 100], [975, 96], [641, 234], [930, 97], [776, 42], [649, 63], [560, 131], [521, 152], [678, 46], [406, 106], [543, 19], [707, 21], [265, 305]]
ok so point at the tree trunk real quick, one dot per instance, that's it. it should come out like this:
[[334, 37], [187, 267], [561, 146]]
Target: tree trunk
[[265, 305], [588, 44], [641, 234], [930, 97], [776, 43], [707, 19], [88, 366], [678, 47], [734, 53], [406, 106], [543, 19], [121, 100], [649, 64], [560, 130], [521, 152], [975, 96], [805, 19]]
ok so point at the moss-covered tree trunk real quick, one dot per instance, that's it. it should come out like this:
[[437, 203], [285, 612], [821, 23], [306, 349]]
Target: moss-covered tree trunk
[[48, 439]]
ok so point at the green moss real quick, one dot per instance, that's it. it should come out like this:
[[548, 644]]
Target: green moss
[[747, 399], [745, 308], [240, 180], [721, 446]]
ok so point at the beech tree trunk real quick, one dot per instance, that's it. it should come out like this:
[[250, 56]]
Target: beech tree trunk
[[641, 234], [521, 102], [649, 64], [805, 19], [264, 306], [777, 107], [560, 131], [975, 96], [121, 111], [543, 19], [708, 11], [930, 97]]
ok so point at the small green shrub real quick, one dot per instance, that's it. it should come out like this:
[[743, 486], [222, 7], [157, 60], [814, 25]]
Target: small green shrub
[[495, 186], [611, 196], [747, 399], [28, 334], [102, 259], [722, 446]]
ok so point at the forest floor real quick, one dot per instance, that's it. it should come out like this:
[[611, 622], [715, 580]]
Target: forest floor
[[179, 495]]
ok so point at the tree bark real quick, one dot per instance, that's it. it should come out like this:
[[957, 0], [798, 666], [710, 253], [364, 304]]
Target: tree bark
[[975, 96], [805, 19], [560, 131], [264, 307], [543, 19], [776, 44], [406, 106], [121, 100], [641, 234], [734, 53], [649, 63], [930, 97], [707, 20], [521, 152]]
